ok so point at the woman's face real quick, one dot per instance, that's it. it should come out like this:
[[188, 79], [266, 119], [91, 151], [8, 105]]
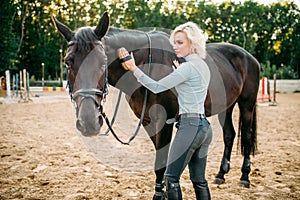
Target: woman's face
[[181, 44]]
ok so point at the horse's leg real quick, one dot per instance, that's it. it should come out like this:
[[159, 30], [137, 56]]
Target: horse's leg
[[248, 138], [228, 137], [161, 141]]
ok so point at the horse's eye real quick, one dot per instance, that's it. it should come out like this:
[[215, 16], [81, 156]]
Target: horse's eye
[[69, 62], [67, 66]]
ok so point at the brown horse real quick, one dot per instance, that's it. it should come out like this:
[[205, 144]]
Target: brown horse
[[92, 63]]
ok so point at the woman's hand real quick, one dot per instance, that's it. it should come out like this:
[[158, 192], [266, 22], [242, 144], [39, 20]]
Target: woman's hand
[[129, 64], [176, 63]]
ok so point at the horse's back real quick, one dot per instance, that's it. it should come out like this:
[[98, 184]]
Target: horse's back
[[233, 70]]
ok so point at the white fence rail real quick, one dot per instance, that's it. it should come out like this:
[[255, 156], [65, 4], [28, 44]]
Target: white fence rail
[[284, 86]]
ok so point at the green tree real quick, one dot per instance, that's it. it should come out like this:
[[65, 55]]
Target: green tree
[[278, 37], [28, 37], [8, 40]]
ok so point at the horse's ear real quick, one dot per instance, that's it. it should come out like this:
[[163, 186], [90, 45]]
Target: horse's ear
[[63, 29], [102, 26]]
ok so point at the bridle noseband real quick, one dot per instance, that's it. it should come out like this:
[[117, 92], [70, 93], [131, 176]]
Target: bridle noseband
[[90, 93]]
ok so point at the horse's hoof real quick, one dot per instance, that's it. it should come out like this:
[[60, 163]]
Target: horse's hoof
[[245, 184], [219, 181]]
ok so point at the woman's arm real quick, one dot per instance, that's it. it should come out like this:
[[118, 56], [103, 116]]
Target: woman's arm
[[163, 84]]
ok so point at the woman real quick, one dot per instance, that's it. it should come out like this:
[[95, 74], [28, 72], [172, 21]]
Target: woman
[[194, 134]]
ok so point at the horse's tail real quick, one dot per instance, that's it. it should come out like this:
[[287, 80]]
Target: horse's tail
[[253, 130]]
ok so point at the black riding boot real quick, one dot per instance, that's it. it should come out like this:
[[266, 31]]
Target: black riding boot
[[159, 192], [201, 190], [173, 189]]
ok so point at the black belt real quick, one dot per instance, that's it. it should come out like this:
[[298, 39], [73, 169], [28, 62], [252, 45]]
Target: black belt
[[197, 115], [185, 115]]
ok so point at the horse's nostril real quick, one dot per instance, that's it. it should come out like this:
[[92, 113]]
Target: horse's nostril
[[100, 121], [79, 125], [88, 129]]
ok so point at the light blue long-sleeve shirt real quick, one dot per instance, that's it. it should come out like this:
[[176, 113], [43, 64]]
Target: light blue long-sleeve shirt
[[190, 80]]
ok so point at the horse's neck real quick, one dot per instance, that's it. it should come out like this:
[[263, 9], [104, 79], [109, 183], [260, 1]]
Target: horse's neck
[[133, 41]]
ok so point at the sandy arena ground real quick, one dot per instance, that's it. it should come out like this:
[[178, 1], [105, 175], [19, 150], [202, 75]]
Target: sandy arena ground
[[44, 157]]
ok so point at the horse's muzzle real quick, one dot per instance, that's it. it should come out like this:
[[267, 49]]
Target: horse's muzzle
[[89, 129]]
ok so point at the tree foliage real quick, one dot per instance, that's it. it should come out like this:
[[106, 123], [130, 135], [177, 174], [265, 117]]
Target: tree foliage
[[28, 37], [8, 47]]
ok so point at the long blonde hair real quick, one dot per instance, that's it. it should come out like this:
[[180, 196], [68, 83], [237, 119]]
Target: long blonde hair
[[195, 35]]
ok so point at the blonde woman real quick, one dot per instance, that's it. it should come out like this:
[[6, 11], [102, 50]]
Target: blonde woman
[[194, 134]]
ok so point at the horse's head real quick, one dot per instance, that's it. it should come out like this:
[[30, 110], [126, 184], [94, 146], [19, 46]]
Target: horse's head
[[86, 63]]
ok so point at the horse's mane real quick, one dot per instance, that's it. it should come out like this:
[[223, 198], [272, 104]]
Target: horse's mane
[[85, 39], [118, 32], [113, 31]]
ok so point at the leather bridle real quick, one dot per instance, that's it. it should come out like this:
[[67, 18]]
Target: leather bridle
[[90, 93]]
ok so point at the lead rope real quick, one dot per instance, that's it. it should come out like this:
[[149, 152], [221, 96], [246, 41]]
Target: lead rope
[[114, 115], [118, 103]]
